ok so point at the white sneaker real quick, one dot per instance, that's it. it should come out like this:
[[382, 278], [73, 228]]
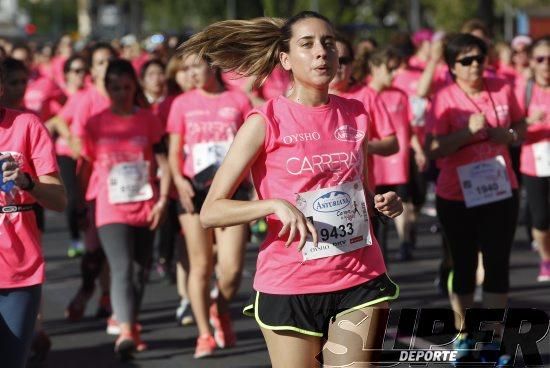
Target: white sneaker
[[184, 313]]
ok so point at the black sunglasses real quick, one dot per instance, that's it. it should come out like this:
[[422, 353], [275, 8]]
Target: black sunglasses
[[468, 60], [542, 59], [344, 60]]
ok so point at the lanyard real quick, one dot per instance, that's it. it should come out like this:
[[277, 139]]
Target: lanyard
[[477, 107]]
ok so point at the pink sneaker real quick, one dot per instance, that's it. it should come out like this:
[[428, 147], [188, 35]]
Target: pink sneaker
[[223, 328], [544, 273], [205, 346]]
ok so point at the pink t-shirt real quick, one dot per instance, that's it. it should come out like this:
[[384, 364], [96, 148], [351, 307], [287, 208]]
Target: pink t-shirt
[[110, 140], [201, 118], [450, 112], [381, 123], [27, 140], [303, 152], [90, 103], [43, 96], [537, 132], [277, 84], [394, 169], [67, 112]]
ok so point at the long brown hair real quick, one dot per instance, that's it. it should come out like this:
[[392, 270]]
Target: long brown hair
[[247, 47]]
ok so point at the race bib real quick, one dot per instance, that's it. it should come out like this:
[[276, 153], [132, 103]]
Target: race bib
[[541, 151], [208, 154], [340, 216], [484, 182], [129, 182]]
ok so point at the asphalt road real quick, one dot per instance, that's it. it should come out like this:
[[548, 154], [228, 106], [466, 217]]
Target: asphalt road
[[86, 345]]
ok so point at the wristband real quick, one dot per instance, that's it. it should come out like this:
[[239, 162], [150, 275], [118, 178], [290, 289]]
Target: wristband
[[30, 186]]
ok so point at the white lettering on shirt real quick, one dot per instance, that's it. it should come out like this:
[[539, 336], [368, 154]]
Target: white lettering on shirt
[[301, 137], [332, 162]]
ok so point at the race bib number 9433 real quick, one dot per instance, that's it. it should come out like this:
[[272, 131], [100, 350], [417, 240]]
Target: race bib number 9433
[[340, 217]]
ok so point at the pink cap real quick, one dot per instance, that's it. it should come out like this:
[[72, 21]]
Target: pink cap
[[518, 41], [422, 35]]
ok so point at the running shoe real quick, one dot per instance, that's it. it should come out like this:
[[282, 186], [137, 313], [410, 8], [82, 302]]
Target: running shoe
[[125, 346], [184, 314], [466, 351], [223, 328], [205, 346], [104, 309], [113, 328], [136, 334], [76, 308], [544, 273], [76, 249]]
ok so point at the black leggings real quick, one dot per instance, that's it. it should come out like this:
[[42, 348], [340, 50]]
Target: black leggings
[[74, 210], [167, 233], [538, 200], [129, 250], [489, 228]]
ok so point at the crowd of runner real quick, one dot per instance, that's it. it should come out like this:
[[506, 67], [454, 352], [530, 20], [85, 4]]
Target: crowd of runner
[[284, 127]]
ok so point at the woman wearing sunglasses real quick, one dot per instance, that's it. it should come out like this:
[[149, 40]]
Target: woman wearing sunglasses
[[471, 123], [534, 95], [74, 70]]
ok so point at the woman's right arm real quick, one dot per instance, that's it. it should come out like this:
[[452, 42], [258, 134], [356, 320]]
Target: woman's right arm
[[445, 145], [220, 211]]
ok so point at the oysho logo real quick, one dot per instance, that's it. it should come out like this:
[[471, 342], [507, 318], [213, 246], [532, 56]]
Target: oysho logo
[[301, 137], [348, 133], [332, 201]]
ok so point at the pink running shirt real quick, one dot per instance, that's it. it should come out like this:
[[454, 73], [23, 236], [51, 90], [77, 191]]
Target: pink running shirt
[[537, 132], [381, 126], [202, 118], [67, 112], [302, 152], [394, 169], [112, 139], [450, 112], [27, 140], [43, 96]]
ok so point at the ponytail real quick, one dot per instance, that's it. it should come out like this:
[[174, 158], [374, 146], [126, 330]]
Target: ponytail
[[247, 47]]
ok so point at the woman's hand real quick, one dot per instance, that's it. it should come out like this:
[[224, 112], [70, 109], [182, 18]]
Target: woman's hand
[[476, 123], [12, 171], [389, 204], [293, 221], [157, 214], [186, 193], [420, 159]]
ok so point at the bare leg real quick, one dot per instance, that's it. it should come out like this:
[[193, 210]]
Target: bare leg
[[368, 324], [231, 245], [290, 349], [199, 249]]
